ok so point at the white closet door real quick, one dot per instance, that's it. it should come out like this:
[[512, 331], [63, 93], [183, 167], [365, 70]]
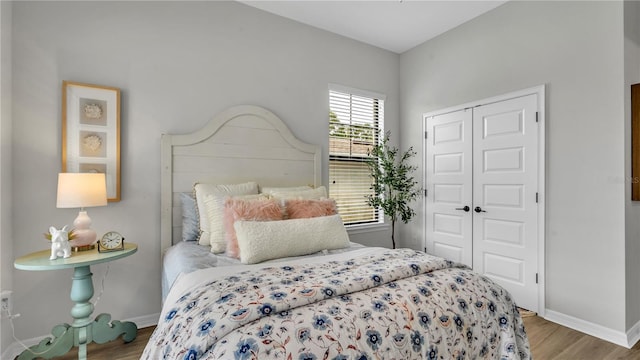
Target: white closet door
[[505, 176], [449, 186]]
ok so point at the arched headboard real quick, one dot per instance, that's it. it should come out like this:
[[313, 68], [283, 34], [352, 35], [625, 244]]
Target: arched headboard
[[242, 143]]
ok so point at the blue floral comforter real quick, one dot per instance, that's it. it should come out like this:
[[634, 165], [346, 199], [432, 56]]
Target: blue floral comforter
[[394, 304]]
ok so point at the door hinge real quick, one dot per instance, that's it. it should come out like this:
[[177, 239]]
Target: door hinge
[[425, 192], [536, 116], [536, 198], [426, 134], [536, 278]]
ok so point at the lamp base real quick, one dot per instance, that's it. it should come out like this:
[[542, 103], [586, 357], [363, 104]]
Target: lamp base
[[83, 248], [83, 237]]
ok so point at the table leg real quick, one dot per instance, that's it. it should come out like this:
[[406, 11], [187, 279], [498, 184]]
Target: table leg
[[105, 330], [81, 293], [83, 330], [48, 348]]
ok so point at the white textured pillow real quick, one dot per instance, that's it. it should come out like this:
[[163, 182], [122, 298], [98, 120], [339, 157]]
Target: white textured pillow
[[271, 190], [313, 194], [201, 190], [266, 240]]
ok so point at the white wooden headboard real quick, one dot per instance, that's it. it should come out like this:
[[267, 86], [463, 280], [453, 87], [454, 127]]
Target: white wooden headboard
[[242, 143]]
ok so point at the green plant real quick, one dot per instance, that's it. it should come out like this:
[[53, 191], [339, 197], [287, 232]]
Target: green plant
[[393, 184]]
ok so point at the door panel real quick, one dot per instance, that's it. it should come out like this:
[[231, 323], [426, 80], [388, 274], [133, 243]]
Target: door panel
[[505, 233], [448, 193], [450, 252], [503, 160], [448, 164], [449, 174], [504, 269], [509, 122], [502, 231], [502, 196]]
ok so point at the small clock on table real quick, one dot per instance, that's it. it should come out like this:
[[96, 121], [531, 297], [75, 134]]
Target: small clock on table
[[111, 241]]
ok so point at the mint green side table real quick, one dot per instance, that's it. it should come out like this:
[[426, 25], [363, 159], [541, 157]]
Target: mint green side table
[[83, 330]]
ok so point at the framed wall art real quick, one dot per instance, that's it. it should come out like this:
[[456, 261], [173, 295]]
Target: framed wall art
[[91, 132], [635, 142]]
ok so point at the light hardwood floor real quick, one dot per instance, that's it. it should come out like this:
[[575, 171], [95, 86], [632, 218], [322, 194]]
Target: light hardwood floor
[[115, 350], [549, 341], [555, 342]]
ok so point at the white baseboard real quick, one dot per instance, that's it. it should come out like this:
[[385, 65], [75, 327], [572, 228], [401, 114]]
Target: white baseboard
[[146, 320], [633, 335], [15, 349], [589, 328]]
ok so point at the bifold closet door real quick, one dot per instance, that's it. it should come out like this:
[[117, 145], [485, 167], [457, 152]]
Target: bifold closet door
[[449, 170], [481, 171]]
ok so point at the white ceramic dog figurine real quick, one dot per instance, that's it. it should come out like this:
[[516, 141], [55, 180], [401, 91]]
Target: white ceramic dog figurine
[[60, 243]]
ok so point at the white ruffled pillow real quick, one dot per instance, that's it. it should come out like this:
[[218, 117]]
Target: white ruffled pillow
[[265, 240], [208, 217]]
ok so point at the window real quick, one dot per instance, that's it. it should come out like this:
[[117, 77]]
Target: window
[[355, 121]]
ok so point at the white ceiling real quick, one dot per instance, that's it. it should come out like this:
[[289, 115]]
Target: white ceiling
[[392, 25]]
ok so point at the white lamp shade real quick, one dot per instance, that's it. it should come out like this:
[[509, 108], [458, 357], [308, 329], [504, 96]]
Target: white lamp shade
[[80, 190]]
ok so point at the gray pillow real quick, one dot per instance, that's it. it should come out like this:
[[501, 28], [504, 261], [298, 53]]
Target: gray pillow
[[190, 230]]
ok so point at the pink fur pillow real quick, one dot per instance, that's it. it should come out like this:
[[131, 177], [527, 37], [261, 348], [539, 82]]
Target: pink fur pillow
[[251, 210], [303, 208]]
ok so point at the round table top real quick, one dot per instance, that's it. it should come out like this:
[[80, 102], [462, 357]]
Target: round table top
[[40, 260]]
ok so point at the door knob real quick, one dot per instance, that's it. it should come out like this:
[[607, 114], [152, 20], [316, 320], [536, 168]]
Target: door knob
[[478, 209], [466, 208]]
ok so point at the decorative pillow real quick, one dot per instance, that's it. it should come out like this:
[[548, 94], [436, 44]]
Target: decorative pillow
[[214, 205], [252, 210], [271, 190], [205, 215], [317, 193], [264, 240], [189, 217], [304, 208]]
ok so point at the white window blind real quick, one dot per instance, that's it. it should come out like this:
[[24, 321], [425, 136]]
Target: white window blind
[[355, 121]]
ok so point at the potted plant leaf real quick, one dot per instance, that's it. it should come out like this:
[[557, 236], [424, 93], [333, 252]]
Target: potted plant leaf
[[393, 184]]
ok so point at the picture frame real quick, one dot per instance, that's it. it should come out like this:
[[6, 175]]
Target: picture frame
[[635, 142], [91, 132]]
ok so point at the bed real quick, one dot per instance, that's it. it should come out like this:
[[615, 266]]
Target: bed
[[296, 287]]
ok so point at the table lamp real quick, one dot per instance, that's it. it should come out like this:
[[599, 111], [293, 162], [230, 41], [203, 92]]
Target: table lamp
[[81, 190]]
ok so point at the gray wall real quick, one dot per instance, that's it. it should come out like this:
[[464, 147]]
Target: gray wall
[[177, 64], [632, 76], [576, 49], [6, 242]]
